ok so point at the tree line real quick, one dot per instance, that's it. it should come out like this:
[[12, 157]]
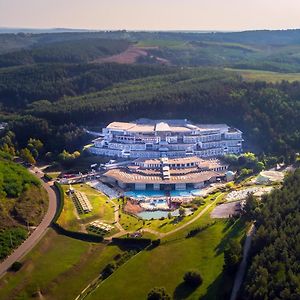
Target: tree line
[[275, 259]]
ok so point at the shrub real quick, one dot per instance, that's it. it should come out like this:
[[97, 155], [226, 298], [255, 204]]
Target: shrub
[[108, 270], [158, 293], [155, 243], [16, 266], [193, 278]]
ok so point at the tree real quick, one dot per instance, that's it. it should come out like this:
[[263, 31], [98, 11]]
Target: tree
[[169, 215], [232, 255], [27, 156], [181, 212], [193, 278], [158, 293]]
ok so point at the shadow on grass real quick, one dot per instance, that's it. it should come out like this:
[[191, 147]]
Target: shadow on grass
[[219, 289], [183, 291], [231, 232]]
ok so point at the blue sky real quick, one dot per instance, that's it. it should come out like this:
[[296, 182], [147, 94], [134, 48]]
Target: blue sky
[[152, 14]]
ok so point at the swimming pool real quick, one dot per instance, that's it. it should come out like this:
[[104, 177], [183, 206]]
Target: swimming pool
[[148, 215], [150, 194], [144, 194]]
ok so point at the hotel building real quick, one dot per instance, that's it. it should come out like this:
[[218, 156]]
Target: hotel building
[[167, 173], [146, 138]]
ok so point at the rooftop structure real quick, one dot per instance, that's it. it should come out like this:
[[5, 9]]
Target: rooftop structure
[[146, 138], [167, 174]]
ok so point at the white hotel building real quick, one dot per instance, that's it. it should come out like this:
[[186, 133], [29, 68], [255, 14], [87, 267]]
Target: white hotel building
[[146, 138]]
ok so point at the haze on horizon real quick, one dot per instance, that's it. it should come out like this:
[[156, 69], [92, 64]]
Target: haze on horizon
[[229, 15]]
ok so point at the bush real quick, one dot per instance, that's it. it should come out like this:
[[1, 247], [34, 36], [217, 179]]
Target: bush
[[158, 293], [16, 266], [155, 243], [108, 270], [193, 278]]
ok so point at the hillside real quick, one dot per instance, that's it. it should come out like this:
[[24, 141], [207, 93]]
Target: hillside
[[264, 50], [203, 95], [23, 203]]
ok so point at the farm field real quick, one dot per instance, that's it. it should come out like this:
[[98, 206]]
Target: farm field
[[55, 263], [267, 76]]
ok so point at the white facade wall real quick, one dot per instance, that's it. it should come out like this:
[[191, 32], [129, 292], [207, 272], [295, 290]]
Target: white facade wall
[[203, 143]]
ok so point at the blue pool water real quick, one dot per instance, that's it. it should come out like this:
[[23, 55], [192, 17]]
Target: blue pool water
[[147, 194], [180, 193], [147, 215]]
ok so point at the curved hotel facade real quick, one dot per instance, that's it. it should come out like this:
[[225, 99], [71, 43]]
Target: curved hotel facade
[[146, 138]]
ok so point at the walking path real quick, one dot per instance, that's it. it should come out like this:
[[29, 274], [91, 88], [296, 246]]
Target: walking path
[[161, 234], [40, 230], [242, 267]]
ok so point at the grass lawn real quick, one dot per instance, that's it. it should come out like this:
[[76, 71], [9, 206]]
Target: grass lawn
[[59, 267], [131, 223], [102, 209], [54, 175], [267, 76], [166, 265]]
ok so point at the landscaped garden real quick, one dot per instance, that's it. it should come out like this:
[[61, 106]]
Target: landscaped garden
[[102, 209]]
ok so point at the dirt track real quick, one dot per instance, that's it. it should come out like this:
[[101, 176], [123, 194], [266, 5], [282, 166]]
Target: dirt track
[[129, 56]]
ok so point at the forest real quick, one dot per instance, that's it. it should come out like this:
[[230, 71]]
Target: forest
[[267, 113], [275, 264], [22, 85]]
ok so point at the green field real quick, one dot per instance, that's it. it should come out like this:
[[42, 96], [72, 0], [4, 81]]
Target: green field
[[102, 209], [253, 75], [166, 265], [57, 268]]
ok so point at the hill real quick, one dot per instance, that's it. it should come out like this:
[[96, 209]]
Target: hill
[[23, 203]]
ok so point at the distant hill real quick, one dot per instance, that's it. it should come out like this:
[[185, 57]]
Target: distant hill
[[40, 30]]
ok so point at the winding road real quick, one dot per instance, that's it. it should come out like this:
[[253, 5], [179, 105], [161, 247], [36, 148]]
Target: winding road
[[41, 229]]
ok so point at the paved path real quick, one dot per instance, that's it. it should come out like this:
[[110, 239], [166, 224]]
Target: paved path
[[242, 267], [161, 234], [38, 233]]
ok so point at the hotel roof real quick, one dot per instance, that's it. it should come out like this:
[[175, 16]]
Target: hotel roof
[[126, 176], [146, 125]]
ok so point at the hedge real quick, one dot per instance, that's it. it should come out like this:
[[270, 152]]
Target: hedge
[[132, 242], [77, 235], [61, 201]]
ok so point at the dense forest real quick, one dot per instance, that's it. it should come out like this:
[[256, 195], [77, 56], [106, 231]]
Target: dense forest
[[22, 85], [77, 51], [268, 113], [275, 266]]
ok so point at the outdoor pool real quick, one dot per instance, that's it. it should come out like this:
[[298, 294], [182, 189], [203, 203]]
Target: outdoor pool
[[147, 215], [145, 194], [150, 194]]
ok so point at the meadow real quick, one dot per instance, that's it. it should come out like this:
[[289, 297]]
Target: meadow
[[166, 264]]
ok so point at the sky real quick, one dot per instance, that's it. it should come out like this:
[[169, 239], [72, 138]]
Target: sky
[[227, 15]]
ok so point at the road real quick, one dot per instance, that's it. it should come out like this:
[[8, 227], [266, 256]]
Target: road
[[242, 267], [38, 233]]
